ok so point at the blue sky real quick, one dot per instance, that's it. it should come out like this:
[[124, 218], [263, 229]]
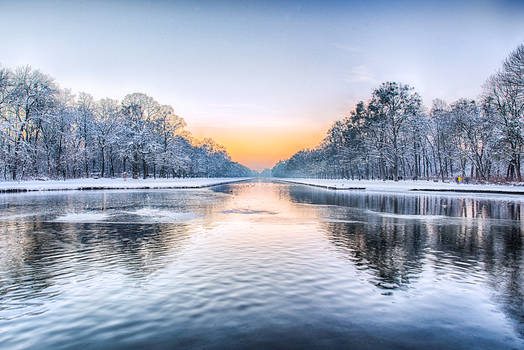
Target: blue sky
[[275, 73]]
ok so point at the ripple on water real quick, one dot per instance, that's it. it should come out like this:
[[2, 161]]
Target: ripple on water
[[258, 269]]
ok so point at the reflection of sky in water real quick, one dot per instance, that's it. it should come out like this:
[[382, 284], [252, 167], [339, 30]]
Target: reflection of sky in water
[[257, 265]]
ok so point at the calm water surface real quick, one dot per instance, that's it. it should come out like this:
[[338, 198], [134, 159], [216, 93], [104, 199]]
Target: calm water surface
[[259, 265]]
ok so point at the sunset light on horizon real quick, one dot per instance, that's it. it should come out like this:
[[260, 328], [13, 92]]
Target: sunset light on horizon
[[263, 78], [261, 147]]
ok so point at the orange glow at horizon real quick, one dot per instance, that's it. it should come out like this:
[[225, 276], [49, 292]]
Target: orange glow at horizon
[[261, 147]]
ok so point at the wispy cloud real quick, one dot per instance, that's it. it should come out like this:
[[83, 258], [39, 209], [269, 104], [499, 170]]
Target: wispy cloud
[[348, 48], [360, 73]]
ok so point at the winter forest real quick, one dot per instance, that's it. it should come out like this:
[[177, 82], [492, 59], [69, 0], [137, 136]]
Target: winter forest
[[46, 132], [392, 135]]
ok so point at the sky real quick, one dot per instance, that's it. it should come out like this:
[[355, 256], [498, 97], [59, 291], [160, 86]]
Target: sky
[[262, 78]]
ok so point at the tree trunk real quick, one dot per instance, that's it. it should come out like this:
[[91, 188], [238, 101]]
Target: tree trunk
[[135, 165], [102, 157]]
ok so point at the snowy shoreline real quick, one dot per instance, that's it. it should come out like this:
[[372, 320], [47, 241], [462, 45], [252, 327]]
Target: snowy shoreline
[[406, 186], [195, 183], [114, 184]]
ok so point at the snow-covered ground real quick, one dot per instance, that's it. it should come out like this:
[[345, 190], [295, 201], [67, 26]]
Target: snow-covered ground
[[402, 186], [99, 184], [340, 184]]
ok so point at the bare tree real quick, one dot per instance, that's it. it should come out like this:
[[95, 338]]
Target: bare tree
[[504, 97]]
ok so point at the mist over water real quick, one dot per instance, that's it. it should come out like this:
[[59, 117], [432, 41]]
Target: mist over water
[[258, 265]]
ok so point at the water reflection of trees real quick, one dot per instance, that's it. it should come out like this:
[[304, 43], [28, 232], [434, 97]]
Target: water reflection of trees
[[412, 204], [22, 274], [474, 236], [38, 253], [393, 252], [54, 252], [504, 260]]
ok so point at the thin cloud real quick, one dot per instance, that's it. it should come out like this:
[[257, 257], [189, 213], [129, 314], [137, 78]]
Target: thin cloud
[[359, 74], [348, 48]]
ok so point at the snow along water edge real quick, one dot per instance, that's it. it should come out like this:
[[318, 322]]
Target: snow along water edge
[[407, 186], [115, 184]]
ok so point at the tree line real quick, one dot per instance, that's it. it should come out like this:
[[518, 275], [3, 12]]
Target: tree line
[[392, 135], [47, 132]]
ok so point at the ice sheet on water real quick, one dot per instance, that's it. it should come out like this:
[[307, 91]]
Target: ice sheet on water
[[83, 217], [407, 216], [142, 215], [248, 211], [16, 216], [162, 215], [342, 221]]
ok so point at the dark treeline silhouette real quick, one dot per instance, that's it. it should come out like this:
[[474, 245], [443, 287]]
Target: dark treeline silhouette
[[392, 136], [46, 131]]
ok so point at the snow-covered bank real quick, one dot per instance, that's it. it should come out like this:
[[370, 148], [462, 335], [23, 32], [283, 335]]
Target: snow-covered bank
[[403, 186], [114, 184]]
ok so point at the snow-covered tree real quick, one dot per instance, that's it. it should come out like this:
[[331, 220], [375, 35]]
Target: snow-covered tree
[[49, 132], [391, 136], [504, 101]]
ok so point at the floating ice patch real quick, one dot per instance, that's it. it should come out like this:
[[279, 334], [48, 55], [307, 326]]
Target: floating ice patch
[[82, 217], [248, 211], [408, 216], [17, 216], [342, 221], [162, 215]]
